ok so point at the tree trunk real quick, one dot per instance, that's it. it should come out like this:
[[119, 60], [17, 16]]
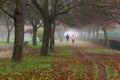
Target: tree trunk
[[46, 36], [52, 39], [59, 33], [40, 39], [82, 35], [97, 36], [8, 36], [62, 36], [93, 34], [34, 25], [34, 36], [19, 30], [89, 35], [86, 36], [106, 41]]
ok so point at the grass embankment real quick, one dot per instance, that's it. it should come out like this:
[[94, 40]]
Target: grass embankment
[[107, 51], [29, 63], [32, 62], [63, 64], [111, 71], [4, 43]]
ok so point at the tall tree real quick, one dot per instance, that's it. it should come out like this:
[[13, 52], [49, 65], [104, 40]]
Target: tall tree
[[18, 8], [52, 36], [34, 17], [8, 22], [9, 28], [49, 10], [19, 17]]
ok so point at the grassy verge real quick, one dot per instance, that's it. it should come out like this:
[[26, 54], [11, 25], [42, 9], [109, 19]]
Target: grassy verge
[[4, 43], [96, 72], [60, 65], [110, 73], [30, 45], [65, 43], [101, 51], [31, 63], [63, 64]]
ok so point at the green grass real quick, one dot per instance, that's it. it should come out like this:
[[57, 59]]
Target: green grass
[[29, 63], [96, 72], [110, 72], [32, 63], [79, 71], [101, 51], [4, 43], [63, 51], [65, 43], [30, 45]]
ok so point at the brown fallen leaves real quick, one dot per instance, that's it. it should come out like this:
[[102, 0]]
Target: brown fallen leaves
[[61, 69]]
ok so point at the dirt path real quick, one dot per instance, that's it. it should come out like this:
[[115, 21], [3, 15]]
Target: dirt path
[[101, 67], [5, 51]]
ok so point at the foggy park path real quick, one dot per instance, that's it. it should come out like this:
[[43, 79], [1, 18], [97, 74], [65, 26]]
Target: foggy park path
[[89, 60]]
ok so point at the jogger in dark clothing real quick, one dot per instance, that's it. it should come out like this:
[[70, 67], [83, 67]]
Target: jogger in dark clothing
[[67, 37]]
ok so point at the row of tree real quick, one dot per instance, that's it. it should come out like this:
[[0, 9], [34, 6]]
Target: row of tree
[[99, 16], [47, 13]]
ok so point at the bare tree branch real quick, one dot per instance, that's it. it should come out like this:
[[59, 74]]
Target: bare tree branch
[[2, 3], [6, 12], [38, 6]]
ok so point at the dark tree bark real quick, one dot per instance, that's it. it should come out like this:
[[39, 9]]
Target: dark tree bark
[[34, 39], [106, 40], [46, 37], [8, 37], [19, 30], [89, 35], [97, 36], [47, 21], [93, 33], [52, 39], [34, 36], [9, 28]]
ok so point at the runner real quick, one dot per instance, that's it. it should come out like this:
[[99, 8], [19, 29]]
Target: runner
[[67, 37], [73, 38]]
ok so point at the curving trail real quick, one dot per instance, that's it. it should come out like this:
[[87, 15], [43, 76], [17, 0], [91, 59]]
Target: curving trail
[[91, 61]]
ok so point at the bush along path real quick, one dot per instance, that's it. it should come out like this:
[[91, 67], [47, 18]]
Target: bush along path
[[90, 62]]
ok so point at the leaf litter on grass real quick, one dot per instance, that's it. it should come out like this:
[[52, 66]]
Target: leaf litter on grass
[[69, 68]]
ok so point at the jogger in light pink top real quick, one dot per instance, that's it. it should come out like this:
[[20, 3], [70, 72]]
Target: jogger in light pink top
[[73, 38]]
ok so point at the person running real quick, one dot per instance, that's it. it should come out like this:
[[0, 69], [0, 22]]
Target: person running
[[67, 37], [73, 38]]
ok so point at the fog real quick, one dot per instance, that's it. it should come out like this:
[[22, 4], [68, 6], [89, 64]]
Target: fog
[[71, 32]]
